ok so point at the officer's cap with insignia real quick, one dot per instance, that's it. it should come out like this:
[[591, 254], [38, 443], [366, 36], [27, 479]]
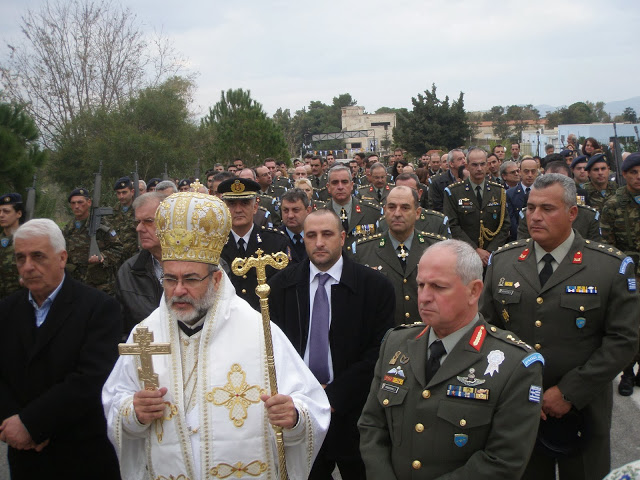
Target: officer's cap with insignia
[[631, 161], [184, 183], [597, 158], [238, 188], [578, 160], [10, 199], [566, 153], [124, 182], [79, 192], [153, 183]]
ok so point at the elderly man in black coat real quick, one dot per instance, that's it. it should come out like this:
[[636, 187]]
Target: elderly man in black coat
[[335, 313], [58, 343]]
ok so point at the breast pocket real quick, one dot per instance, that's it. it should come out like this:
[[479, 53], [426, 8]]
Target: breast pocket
[[463, 427], [393, 406], [506, 301], [585, 307]]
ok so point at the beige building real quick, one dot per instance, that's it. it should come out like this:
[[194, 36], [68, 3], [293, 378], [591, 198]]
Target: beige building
[[379, 127]]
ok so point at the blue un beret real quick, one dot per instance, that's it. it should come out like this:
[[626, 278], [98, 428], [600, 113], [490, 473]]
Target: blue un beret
[[597, 158], [10, 199], [579, 160], [631, 161], [124, 182]]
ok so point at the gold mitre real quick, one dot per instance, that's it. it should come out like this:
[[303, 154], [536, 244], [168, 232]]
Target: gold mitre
[[192, 227]]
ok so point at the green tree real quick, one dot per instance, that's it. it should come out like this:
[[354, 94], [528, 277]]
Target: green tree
[[153, 128], [238, 127], [579, 112], [629, 115], [432, 124], [20, 153], [599, 114], [498, 118], [520, 117]]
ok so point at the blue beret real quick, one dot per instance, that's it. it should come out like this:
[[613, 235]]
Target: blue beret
[[184, 183], [631, 161], [10, 199], [597, 158], [153, 182], [124, 182], [79, 192], [578, 160]]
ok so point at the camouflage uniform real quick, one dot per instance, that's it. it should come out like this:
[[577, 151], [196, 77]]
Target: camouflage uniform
[[123, 222], [98, 275], [8, 271], [596, 198]]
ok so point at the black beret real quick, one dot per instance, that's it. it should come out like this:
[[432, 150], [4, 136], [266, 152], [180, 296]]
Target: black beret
[[184, 183], [578, 160], [631, 161], [153, 182], [597, 158], [559, 437], [238, 188], [10, 199], [566, 153], [82, 192], [124, 182]]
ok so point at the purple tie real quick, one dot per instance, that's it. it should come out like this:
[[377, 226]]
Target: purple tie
[[319, 335]]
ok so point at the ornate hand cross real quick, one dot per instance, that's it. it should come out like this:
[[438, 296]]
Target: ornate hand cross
[[144, 347]]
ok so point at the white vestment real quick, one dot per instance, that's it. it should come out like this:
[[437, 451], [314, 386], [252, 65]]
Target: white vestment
[[225, 433]]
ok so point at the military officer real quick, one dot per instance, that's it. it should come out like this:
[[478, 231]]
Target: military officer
[[318, 177], [245, 237], [358, 218], [379, 188], [266, 202], [599, 188], [396, 252], [459, 399], [451, 173], [575, 301], [123, 218], [11, 217], [620, 226], [587, 224], [95, 271], [477, 208]]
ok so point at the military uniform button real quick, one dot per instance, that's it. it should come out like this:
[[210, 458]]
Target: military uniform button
[[406, 297], [419, 427], [539, 300], [538, 323], [537, 346], [463, 422], [407, 315], [404, 280], [494, 329], [385, 401], [426, 394], [582, 308], [416, 464], [244, 291], [504, 301], [244, 276]]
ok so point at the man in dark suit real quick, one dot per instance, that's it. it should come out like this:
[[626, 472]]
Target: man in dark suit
[[455, 160], [58, 343], [295, 208], [335, 313], [517, 196]]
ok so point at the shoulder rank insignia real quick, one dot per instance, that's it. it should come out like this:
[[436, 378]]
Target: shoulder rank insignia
[[477, 338], [523, 256]]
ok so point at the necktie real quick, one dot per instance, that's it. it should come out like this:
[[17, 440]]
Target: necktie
[[436, 351], [547, 270], [479, 195], [297, 238], [402, 255], [345, 219], [317, 182], [298, 245], [379, 195], [527, 190], [319, 335], [241, 247]]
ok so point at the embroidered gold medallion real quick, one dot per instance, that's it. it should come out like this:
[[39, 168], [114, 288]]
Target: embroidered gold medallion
[[239, 470], [236, 395]]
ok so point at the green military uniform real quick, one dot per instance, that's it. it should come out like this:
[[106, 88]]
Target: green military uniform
[[362, 222], [282, 183], [584, 321], [271, 204], [378, 252], [274, 191], [586, 224], [98, 275], [483, 226], [8, 272], [319, 184], [596, 197], [428, 221], [413, 429], [370, 194], [123, 222]]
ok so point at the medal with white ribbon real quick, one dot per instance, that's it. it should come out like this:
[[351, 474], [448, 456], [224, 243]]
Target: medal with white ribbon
[[495, 359]]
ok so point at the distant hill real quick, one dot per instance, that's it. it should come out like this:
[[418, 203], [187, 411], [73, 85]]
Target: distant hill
[[612, 108]]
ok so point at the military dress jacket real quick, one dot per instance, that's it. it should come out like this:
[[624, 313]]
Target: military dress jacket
[[273, 206], [586, 224], [428, 221], [269, 240], [370, 194], [466, 217], [437, 185], [377, 252], [363, 222], [516, 201], [474, 419]]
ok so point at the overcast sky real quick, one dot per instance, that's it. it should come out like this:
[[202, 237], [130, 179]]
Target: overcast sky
[[497, 52]]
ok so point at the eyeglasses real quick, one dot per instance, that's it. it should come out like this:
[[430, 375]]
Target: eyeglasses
[[147, 222], [190, 281], [513, 172]]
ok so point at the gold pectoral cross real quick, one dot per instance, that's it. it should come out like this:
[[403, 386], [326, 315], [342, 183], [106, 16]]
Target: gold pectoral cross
[[142, 345]]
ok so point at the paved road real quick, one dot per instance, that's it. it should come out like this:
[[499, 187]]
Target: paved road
[[625, 431]]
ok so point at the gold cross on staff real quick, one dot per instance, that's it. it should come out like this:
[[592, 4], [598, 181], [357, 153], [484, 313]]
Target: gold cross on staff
[[144, 347], [241, 266]]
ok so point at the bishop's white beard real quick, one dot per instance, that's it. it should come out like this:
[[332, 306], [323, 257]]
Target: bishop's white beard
[[200, 306]]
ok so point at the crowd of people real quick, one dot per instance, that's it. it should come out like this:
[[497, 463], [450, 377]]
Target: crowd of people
[[459, 316]]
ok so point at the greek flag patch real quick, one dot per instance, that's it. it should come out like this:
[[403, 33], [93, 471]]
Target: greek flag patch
[[534, 393], [631, 283]]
